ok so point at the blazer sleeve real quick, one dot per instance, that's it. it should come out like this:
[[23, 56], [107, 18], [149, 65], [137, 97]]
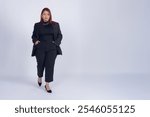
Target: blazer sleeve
[[35, 35], [59, 36]]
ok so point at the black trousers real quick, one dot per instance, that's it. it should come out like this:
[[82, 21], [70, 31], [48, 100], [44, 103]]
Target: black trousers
[[46, 60]]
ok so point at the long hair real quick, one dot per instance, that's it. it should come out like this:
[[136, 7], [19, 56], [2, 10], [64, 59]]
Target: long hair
[[48, 10]]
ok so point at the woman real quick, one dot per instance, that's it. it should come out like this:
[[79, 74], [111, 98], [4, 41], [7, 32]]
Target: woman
[[46, 40]]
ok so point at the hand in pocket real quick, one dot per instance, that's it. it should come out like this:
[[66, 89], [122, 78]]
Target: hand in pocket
[[37, 42]]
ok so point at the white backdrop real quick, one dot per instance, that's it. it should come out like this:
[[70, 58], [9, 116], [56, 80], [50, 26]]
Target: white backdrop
[[99, 36]]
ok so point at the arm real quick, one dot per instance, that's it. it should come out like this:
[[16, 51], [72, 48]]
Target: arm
[[35, 35], [59, 36]]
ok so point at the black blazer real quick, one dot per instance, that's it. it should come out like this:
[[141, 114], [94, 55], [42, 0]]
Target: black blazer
[[57, 37]]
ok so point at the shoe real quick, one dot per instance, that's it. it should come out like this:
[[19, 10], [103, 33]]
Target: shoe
[[39, 83], [49, 91]]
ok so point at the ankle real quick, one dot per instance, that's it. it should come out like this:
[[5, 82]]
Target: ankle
[[40, 79]]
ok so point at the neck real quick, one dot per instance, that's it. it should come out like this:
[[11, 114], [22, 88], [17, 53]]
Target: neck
[[45, 22]]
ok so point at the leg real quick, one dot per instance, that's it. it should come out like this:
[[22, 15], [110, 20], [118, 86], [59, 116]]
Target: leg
[[49, 65], [40, 58]]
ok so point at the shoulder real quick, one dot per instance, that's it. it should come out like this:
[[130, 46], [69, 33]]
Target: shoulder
[[55, 23], [37, 23]]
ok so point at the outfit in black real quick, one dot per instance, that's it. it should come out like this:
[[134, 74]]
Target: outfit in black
[[47, 49]]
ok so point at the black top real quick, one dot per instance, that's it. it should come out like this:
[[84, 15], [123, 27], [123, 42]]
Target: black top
[[46, 32], [46, 35]]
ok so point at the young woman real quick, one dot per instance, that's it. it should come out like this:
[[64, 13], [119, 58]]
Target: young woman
[[46, 40]]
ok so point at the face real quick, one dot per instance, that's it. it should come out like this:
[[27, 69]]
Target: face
[[45, 16]]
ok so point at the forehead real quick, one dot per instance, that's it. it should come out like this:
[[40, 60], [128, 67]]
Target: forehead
[[45, 12]]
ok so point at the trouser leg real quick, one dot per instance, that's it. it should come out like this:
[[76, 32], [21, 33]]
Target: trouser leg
[[49, 65], [40, 58]]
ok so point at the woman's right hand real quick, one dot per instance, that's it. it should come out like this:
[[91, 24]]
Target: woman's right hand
[[37, 42]]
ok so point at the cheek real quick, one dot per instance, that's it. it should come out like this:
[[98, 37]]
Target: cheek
[[43, 17], [47, 16]]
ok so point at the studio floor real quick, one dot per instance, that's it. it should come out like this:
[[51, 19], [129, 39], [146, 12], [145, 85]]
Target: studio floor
[[84, 87]]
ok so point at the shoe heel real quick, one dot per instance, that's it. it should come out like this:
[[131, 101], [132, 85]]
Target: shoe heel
[[49, 91]]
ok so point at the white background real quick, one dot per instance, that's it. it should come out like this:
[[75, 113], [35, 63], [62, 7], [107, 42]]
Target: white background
[[101, 38]]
